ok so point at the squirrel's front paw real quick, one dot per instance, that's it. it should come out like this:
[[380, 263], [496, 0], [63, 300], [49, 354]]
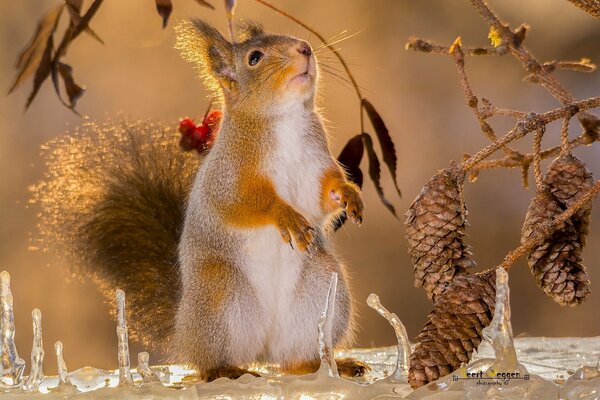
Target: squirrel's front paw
[[293, 225], [348, 197]]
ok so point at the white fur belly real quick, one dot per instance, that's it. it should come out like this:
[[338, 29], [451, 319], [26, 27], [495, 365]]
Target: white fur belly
[[273, 268]]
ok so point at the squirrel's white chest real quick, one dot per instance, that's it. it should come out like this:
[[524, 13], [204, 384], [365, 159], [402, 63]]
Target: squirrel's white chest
[[295, 166]]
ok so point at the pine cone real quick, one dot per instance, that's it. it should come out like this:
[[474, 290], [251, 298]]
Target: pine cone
[[556, 263], [453, 328], [568, 179], [435, 225], [592, 7]]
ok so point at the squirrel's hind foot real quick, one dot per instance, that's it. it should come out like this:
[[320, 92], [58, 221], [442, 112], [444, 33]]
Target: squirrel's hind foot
[[351, 368], [225, 372], [347, 367]]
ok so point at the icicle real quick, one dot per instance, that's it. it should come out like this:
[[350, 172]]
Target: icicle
[[144, 370], [63, 373], [12, 365], [36, 375], [499, 333], [401, 372], [325, 330], [125, 377]]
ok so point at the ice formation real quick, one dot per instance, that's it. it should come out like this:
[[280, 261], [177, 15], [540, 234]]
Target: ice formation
[[125, 377], [325, 326], [546, 362], [401, 371], [36, 375], [11, 364]]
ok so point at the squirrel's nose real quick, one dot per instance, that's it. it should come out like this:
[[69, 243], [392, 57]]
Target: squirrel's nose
[[304, 48]]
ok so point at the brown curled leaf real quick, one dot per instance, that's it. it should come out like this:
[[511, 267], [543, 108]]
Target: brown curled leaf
[[205, 4], [74, 91], [164, 8], [43, 71], [388, 150], [38, 52], [230, 7], [375, 171], [74, 9], [350, 158]]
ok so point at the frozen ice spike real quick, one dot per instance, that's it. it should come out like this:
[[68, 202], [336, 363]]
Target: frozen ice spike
[[401, 335], [11, 365], [36, 375], [125, 377]]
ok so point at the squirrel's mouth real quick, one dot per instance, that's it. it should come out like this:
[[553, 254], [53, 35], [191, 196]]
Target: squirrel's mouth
[[306, 77]]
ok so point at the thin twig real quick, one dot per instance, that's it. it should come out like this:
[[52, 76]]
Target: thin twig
[[564, 136], [528, 124], [426, 46], [514, 42], [472, 101], [537, 158]]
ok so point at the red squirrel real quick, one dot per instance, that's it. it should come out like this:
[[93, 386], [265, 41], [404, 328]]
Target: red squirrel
[[225, 259]]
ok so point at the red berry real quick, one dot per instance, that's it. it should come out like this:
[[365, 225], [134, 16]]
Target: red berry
[[186, 126], [202, 132]]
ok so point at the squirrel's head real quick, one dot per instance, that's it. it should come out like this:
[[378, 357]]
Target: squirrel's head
[[257, 72]]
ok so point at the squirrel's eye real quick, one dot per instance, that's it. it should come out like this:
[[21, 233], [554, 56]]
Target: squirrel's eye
[[255, 57]]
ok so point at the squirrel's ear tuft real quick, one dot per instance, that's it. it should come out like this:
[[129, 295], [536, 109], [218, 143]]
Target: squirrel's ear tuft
[[248, 30], [204, 45]]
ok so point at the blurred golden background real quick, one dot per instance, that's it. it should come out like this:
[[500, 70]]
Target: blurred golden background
[[139, 73]]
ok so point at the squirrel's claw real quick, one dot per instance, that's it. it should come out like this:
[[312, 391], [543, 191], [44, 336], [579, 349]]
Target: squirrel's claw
[[297, 227], [348, 197]]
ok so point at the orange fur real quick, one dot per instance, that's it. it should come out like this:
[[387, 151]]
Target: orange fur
[[258, 204], [337, 192]]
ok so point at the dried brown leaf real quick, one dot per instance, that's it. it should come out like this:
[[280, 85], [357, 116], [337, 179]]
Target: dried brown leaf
[[388, 150], [39, 50], [375, 171], [230, 7], [74, 8], [74, 91], [164, 8], [205, 4], [350, 157]]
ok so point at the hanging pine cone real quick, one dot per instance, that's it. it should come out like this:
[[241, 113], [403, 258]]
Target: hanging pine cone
[[453, 328], [556, 263], [435, 225], [568, 179]]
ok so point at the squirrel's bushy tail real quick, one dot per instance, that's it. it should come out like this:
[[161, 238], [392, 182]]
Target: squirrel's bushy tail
[[112, 206]]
